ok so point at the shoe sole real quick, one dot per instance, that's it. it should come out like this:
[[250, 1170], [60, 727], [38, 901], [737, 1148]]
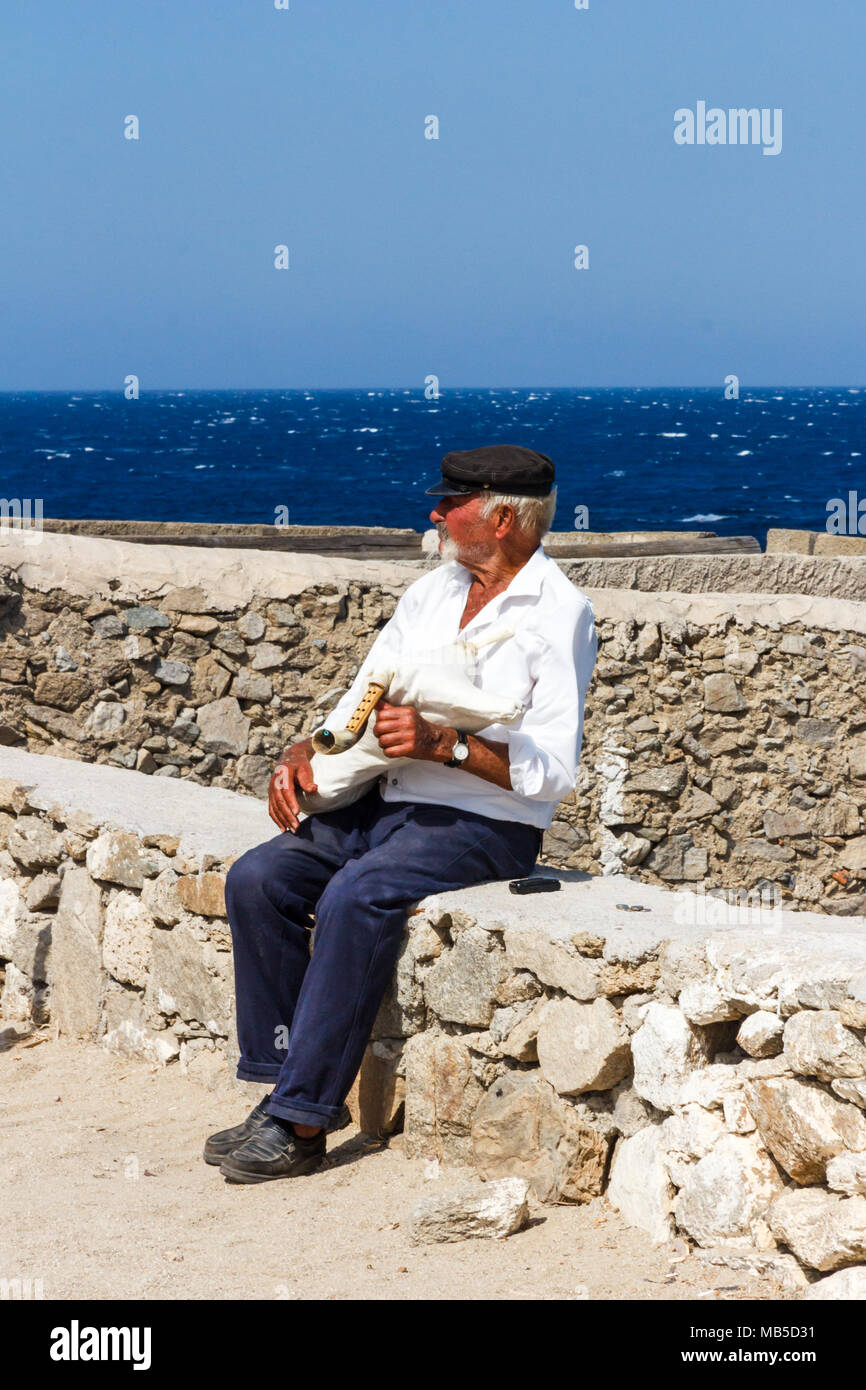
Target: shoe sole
[[216, 1156], [243, 1176]]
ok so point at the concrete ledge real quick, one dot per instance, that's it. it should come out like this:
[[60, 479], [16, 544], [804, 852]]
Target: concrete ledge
[[225, 823], [120, 569], [772, 611], [829, 577], [822, 543]]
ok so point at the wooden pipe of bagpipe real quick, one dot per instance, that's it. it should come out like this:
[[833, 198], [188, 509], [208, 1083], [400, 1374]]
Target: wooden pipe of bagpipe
[[326, 740]]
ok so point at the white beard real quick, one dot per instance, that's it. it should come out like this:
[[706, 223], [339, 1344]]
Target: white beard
[[451, 551], [448, 550]]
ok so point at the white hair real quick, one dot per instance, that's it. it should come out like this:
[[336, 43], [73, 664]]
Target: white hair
[[534, 514]]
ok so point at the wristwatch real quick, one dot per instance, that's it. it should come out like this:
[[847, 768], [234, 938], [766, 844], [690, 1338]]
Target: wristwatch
[[460, 751]]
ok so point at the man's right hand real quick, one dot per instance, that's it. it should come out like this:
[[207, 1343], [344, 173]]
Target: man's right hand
[[292, 771]]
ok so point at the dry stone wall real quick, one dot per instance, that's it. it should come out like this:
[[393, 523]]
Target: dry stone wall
[[704, 1072], [725, 735]]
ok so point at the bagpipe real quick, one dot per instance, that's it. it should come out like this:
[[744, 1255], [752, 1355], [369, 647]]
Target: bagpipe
[[438, 682]]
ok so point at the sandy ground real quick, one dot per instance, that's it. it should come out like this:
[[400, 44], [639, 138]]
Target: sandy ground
[[106, 1195]]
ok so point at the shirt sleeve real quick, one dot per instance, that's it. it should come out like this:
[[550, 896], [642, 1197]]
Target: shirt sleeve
[[544, 747]]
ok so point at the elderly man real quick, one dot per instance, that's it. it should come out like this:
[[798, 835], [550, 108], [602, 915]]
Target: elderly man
[[466, 809]]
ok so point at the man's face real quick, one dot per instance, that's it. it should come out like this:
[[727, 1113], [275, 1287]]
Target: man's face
[[463, 534]]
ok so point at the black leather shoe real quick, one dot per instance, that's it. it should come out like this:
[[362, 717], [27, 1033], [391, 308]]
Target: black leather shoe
[[219, 1145], [275, 1151]]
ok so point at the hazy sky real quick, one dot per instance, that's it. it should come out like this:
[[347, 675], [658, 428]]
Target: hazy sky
[[411, 256]]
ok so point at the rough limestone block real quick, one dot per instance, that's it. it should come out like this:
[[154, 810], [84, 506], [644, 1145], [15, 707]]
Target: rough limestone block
[[669, 780], [738, 1116], [116, 857], [442, 1094], [401, 1012], [203, 894], [77, 956], [378, 1092], [22, 1001], [582, 1047], [44, 891], [728, 1192], [773, 1264], [640, 1187], [857, 758], [687, 1136], [127, 1033], [521, 1042], [780, 824], [10, 908], [190, 978], [522, 1128], [268, 657], [159, 896], [34, 844], [817, 1043], [489, 1209], [461, 985], [666, 1049], [713, 1084], [855, 1091], [105, 718], [629, 1113], [761, 1034], [847, 1285], [823, 1230], [722, 694], [127, 938], [551, 962], [31, 945], [246, 686], [13, 795], [803, 1126], [847, 1174], [702, 1002], [224, 726]]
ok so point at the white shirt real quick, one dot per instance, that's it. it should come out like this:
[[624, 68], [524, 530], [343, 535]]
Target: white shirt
[[547, 664]]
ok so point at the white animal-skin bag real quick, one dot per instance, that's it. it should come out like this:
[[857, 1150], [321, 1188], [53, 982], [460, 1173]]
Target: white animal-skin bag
[[438, 682]]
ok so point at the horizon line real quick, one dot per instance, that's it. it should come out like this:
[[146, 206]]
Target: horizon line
[[260, 390]]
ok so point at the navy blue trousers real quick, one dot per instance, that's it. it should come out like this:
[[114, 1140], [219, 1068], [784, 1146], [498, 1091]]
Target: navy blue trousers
[[304, 1021]]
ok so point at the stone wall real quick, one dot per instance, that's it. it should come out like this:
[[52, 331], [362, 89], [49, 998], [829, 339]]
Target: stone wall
[[700, 1062], [725, 736]]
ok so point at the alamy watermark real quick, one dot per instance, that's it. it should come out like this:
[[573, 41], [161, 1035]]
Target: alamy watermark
[[20, 1289], [23, 516], [77, 1343], [846, 517], [735, 126], [761, 906]]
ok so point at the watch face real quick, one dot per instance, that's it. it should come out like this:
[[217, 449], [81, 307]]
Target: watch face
[[461, 752]]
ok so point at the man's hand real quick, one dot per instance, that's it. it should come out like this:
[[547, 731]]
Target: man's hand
[[292, 771], [403, 733]]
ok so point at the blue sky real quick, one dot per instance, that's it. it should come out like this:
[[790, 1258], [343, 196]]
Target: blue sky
[[410, 256]]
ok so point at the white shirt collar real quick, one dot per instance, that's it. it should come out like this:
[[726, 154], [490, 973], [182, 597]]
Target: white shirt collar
[[525, 583]]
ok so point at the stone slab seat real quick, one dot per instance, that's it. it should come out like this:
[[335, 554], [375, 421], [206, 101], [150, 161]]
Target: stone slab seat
[[209, 820]]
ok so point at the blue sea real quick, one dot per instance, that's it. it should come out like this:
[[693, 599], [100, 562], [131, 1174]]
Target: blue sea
[[637, 459]]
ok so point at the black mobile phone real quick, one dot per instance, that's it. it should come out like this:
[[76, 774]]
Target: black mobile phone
[[534, 885]]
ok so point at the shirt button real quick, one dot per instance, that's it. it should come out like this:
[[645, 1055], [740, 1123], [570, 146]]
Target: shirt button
[[393, 781]]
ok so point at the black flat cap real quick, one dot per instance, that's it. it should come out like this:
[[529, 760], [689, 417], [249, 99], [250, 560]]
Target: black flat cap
[[507, 468]]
